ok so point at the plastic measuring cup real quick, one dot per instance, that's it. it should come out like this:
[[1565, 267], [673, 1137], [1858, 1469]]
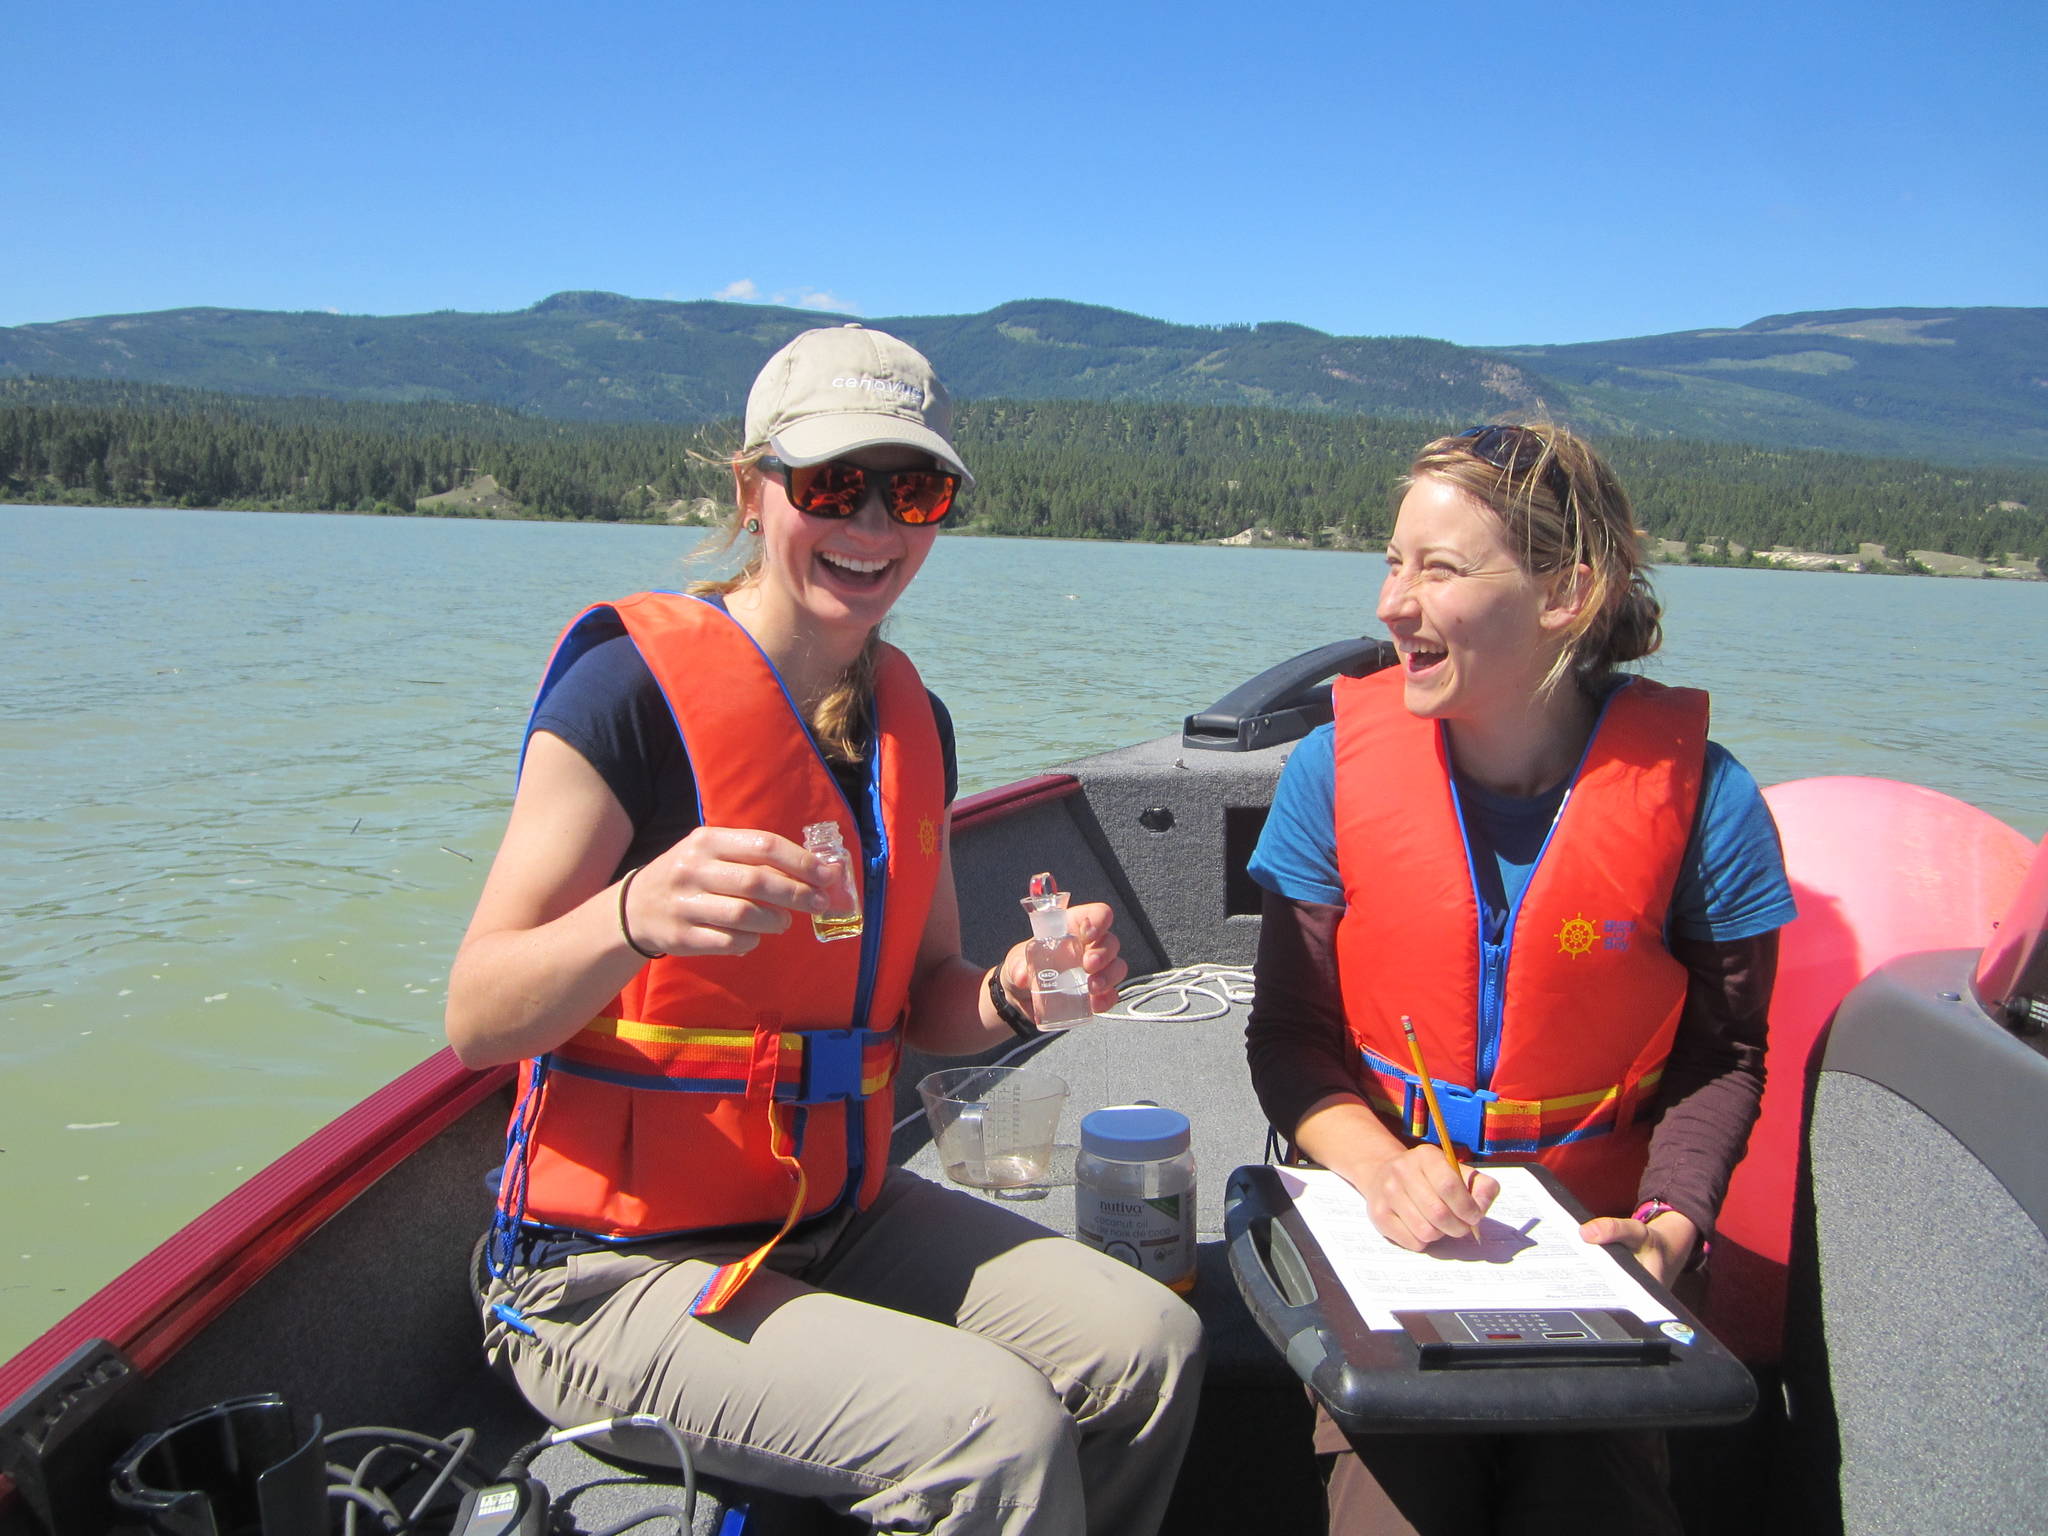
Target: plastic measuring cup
[[994, 1126]]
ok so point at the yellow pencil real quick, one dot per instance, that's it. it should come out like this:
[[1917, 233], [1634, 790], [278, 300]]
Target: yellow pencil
[[1436, 1114]]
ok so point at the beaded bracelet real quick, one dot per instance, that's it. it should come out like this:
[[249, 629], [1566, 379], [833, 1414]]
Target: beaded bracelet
[[626, 932], [1650, 1210]]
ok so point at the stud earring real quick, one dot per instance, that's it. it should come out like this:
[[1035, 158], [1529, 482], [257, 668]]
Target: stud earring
[[752, 525]]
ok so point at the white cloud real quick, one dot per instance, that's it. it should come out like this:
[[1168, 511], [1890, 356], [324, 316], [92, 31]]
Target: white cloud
[[747, 291]]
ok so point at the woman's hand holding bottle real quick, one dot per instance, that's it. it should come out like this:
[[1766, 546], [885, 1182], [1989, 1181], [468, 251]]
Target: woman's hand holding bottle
[[1085, 941], [720, 889]]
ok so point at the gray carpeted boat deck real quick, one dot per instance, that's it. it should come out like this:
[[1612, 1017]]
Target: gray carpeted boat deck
[[1193, 1063]]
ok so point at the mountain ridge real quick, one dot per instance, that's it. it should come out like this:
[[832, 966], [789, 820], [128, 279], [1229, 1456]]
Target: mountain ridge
[[1957, 385]]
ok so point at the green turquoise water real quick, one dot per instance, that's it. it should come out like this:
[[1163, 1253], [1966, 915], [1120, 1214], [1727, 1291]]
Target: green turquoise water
[[252, 769]]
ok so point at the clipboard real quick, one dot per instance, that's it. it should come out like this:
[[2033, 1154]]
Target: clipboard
[[1433, 1376]]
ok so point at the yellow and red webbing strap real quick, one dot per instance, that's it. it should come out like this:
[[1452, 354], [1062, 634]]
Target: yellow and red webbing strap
[[1514, 1126]]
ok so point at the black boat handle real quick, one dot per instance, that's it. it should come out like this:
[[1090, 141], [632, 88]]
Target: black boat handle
[[1278, 1290], [1285, 702]]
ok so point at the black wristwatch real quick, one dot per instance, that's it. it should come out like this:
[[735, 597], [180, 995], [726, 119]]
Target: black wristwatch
[[1022, 1025]]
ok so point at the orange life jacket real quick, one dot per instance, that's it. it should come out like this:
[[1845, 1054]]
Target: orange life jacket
[[728, 1090], [1548, 1046]]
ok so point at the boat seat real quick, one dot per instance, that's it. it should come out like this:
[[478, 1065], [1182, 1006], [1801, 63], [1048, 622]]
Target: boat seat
[[1879, 869]]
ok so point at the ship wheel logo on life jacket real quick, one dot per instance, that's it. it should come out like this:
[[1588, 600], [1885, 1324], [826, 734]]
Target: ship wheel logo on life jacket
[[927, 836], [1577, 936]]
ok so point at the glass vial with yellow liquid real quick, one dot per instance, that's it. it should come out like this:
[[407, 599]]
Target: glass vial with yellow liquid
[[841, 919]]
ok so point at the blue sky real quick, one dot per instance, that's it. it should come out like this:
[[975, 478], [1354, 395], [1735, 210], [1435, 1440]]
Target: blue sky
[[1483, 174]]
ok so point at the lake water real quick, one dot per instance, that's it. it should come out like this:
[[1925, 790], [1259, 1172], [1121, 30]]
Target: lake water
[[254, 767]]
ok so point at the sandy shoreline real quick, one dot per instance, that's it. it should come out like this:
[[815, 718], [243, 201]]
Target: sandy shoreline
[[488, 502], [1869, 559]]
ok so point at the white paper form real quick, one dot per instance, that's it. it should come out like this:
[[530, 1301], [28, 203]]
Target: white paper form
[[1527, 1255]]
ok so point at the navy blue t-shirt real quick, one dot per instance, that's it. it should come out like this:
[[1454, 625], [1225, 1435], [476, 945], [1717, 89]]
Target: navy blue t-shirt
[[609, 708]]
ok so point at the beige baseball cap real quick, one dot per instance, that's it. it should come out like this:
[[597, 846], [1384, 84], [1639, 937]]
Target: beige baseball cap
[[844, 387]]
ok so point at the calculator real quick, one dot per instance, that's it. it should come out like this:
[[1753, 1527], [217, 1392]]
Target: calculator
[[1580, 1336]]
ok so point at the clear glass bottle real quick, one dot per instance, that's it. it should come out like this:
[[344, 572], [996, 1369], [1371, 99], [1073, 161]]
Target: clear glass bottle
[[1134, 1190], [842, 919], [1059, 985]]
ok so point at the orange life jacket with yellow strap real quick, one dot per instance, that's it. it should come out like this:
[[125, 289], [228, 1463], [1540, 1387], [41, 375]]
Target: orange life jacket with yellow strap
[[1548, 1045], [730, 1090]]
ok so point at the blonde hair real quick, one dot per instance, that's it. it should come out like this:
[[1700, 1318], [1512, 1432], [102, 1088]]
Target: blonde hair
[[841, 719], [1561, 508]]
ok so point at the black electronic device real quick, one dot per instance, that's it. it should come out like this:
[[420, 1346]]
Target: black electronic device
[[516, 1506], [1446, 1340]]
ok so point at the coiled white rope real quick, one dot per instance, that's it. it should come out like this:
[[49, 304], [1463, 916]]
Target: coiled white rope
[[1188, 994]]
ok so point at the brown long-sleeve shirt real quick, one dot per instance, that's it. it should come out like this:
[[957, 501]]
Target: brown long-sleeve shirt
[[1300, 1050]]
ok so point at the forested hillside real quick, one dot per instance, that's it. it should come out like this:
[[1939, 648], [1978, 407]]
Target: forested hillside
[[1068, 469], [591, 357], [141, 445], [1912, 382], [1962, 386]]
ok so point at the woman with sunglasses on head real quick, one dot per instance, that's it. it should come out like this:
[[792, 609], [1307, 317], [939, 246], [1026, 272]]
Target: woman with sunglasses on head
[[1572, 893], [697, 1219]]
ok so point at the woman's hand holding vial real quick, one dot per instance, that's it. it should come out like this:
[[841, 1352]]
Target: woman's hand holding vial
[[719, 890], [1071, 957]]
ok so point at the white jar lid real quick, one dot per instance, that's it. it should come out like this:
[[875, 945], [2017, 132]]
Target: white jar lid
[[1135, 1133]]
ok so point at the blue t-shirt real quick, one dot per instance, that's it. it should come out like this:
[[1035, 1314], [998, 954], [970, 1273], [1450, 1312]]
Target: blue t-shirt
[[1731, 882]]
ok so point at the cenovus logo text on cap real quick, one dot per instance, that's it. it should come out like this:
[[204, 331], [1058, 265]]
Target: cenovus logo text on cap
[[908, 394]]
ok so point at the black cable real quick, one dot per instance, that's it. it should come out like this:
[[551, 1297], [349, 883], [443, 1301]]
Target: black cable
[[685, 1516], [517, 1463], [460, 1443], [457, 1444], [444, 1457], [343, 1483], [386, 1512], [361, 1478], [447, 1458]]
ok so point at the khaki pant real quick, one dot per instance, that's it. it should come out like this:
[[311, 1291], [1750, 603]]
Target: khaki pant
[[936, 1363]]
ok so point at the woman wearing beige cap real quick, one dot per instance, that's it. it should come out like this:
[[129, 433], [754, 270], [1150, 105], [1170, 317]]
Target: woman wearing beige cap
[[697, 1219]]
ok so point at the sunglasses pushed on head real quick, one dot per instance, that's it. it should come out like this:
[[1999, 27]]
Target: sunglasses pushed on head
[[1518, 451]]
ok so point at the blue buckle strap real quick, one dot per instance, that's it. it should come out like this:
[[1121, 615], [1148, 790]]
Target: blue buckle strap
[[832, 1066], [1464, 1108], [1464, 1112]]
